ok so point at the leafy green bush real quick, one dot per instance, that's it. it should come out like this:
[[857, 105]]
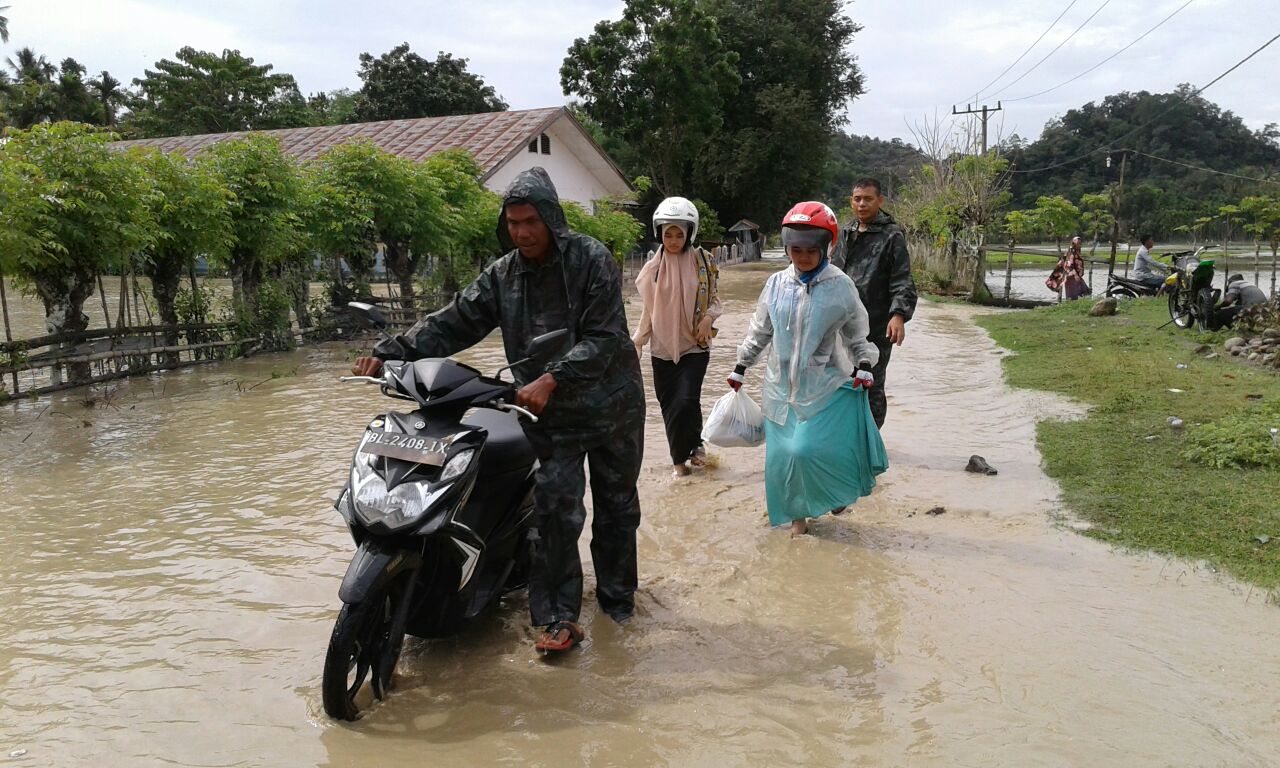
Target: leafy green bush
[[616, 229], [1240, 441]]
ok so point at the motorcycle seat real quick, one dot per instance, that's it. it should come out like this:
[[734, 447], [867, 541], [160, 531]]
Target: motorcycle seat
[[507, 448]]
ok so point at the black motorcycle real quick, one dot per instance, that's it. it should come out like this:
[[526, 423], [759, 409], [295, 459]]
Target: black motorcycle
[[439, 501], [1128, 288]]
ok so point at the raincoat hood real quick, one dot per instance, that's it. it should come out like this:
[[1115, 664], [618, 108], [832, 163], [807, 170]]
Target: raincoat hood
[[534, 187]]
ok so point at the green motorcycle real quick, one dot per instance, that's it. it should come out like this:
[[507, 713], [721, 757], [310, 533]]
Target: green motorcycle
[[1190, 289]]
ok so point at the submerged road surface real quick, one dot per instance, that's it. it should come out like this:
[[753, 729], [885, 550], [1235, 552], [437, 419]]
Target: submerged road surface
[[172, 561]]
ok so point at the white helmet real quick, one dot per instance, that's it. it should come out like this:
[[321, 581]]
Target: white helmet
[[676, 210]]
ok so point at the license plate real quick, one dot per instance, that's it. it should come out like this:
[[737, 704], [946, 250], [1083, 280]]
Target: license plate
[[423, 450]]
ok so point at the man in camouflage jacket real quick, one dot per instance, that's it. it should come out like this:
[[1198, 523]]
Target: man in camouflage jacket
[[873, 251], [590, 399]]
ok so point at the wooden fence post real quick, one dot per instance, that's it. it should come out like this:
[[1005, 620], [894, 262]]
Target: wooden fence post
[[8, 335]]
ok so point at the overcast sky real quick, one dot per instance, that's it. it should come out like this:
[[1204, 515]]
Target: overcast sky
[[919, 56]]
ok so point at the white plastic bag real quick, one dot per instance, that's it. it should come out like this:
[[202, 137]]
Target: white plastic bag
[[735, 422]]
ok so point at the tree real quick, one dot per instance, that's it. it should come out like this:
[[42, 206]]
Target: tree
[[1095, 213], [950, 206], [203, 92], [29, 66], [264, 186], [854, 157], [190, 207], [400, 84], [1262, 222], [798, 75], [25, 209], [72, 99], [472, 239], [337, 219], [660, 79], [397, 198], [1057, 216], [1174, 135], [4, 25], [106, 89], [1020, 225], [332, 108], [616, 229], [30, 99], [96, 217]]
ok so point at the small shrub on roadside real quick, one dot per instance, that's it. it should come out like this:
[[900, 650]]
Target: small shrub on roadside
[[1241, 441]]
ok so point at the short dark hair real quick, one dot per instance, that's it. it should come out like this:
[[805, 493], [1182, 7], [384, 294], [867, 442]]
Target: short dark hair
[[1236, 278], [1145, 238], [868, 181]]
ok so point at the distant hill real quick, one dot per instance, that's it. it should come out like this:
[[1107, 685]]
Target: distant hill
[[851, 157], [1159, 194]]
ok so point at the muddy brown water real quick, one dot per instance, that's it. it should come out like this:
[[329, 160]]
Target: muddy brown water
[[172, 561]]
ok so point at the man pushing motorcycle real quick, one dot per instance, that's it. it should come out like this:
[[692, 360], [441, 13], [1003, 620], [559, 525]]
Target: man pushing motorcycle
[[590, 398]]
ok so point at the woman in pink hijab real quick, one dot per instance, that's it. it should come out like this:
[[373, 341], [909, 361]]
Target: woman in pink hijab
[[680, 305], [1068, 275]]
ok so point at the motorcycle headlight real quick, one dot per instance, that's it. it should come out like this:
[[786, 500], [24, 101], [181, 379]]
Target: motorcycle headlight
[[457, 465], [403, 504]]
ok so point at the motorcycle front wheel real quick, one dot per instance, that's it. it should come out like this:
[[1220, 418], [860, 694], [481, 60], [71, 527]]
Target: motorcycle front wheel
[[1182, 309], [364, 648]]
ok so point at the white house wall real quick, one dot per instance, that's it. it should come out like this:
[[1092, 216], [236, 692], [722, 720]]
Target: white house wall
[[573, 180]]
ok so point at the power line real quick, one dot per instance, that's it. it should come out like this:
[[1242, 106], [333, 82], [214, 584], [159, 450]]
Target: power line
[[1109, 58], [1200, 167], [1024, 53], [1055, 50], [1179, 99]]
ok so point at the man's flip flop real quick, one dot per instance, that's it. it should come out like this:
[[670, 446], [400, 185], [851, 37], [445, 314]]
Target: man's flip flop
[[560, 636]]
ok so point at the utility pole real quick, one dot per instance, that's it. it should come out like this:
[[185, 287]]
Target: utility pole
[[1115, 223], [985, 112]]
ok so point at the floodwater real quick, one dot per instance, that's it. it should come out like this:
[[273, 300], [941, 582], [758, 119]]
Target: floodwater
[[172, 562]]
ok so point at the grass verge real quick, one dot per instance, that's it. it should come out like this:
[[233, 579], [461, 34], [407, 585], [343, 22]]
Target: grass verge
[[1122, 467]]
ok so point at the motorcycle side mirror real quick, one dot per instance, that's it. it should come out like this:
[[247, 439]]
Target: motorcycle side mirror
[[538, 349], [545, 344], [367, 315]]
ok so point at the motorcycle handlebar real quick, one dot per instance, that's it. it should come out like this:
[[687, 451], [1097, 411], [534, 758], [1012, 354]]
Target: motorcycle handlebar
[[503, 406]]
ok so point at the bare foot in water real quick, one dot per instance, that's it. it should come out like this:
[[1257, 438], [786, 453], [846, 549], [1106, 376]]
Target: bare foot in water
[[699, 457], [679, 470], [799, 527]]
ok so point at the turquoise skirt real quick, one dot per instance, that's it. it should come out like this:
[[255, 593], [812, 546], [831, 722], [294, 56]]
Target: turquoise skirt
[[831, 460]]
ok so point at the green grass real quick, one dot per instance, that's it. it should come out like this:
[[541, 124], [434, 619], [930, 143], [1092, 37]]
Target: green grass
[[1122, 467], [996, 259]]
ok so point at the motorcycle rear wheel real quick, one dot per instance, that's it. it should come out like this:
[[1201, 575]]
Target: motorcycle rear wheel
[[364, 648]]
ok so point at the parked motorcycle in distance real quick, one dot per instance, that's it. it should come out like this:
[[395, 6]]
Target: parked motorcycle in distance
[[439, 501], [1190, 290]]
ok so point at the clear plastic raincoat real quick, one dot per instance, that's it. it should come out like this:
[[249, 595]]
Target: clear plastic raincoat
[[819, 336], [822, 448]]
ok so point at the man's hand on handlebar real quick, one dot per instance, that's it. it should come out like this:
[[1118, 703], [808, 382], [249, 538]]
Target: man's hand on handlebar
[[536, 394], [367, 366]]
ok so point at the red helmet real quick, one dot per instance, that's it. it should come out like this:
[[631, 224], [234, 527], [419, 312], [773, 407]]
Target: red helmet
[[810, 224]]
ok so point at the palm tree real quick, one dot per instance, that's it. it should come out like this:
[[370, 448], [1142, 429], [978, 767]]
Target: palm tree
[[30, 67], [4, 25], [107, 90]]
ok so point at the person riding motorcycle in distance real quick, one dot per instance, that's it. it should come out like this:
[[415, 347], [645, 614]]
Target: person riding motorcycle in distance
[[590, 399], [1146, 269]]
